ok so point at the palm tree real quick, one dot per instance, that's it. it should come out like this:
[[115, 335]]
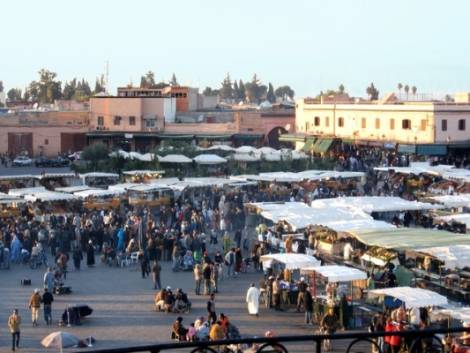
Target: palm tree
[[414, 90], [400, 86], [407, 91]]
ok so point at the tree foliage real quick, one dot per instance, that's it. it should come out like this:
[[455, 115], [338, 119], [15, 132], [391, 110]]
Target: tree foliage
[[47, 89], [270, 96], [372, 92], [210, 92], [284, 91], [148, 80], [174, 81], [95, 153], [14, 95], [1, 87], [226, 89]]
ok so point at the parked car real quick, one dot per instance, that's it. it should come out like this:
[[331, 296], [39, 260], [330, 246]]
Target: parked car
[[60, 162], [43, 162], [22, 161], [76, 156]]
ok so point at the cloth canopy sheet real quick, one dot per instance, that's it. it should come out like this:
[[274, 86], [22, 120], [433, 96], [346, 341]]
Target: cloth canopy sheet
[[49, 196], [174, 158], [458, 217], [462, 200], [337, 273], [454, 256], [290, 260], [299, 216], [412, 297], [417, 168], [97, 193], [462, 313], [371, 204], [209, 159], [26, 191], [410, 238]]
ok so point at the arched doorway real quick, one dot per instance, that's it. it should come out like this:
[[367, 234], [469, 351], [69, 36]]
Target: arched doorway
[[272, 138]]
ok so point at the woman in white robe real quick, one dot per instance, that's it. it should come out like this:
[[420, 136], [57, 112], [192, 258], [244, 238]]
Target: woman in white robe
[[252, 299]]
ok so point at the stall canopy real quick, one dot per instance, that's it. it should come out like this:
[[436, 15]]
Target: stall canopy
[[99, 175], [48, 196], [458, 217], [412, 297], [454, 256], [72, 189], [462, 200], [410, 238], [417, 168], [26, 191], [247, 150], [245, 157], [209, 159], [371, 204], [122, 186], [337, 273], [174, 158], [462, 313], [225, 148], [291, 261], [143, 172], [97, 193]]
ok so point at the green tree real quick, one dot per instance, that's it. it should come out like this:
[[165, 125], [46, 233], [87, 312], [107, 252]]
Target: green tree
[[1, 87], [226, 89], [241, 90], [94, 154], [270, 95], [208, 91], [414, 90], [83, 91], [14, 95], [235, 91], [341, 89], [47, 89], [174, 81], [100, 85], [407, 91], [284, 91], [372, 92], [148, 80], [400, 87], [69, 89]]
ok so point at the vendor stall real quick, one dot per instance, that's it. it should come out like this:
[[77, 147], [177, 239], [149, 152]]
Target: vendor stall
[[98, 199], [99, 179], [46, 203], [149, 195], [290, 261], [8, 182], [10, 206], [411, 297], [141, 176]]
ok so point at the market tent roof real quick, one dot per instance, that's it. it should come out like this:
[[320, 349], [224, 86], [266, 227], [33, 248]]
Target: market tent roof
[[49, 196], [267, 150], [26, 191], [246, 149], [246, 157], [371, 204], [221, 148], [99, 175], [337, 273], [206, 181], [148, 187], [272, 157], [8, 199], [174, 158], [410, 238], [459, 313], [143, 172], [72, 189], [55, 175], [458, 217], [417, 168], [290, 260], [122, 186], [412, 297], [354, 225], [209, 159], [97, 193], [17, 177], [322, 145], [462, 200], [454, 256]]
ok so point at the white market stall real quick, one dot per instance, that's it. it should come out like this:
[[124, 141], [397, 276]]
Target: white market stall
[[290, 261], [100, 199], [175, 158], [453, 201], [209, 159], [458, 217], [73, 189], [453, 256], [142, 176], [26, 191], [336, 273], [245, 157], [99, 179], [411, 297]]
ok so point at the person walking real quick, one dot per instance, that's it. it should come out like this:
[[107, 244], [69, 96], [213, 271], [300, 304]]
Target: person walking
[[34, 305], [198, 278], [90, 254], [77, 257], [252, 299], [207, 274], [49, 280], [156, 270], [47, 299], [302, 286], [14, 322], [308, 304], [211, 315], [230, 262]]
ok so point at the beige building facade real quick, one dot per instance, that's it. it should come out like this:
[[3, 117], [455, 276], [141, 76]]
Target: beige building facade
[[405, 123]]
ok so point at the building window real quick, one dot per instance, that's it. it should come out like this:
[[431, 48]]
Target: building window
[[406, 124], [377, 123], [341, 122], [117, 120], [444, 124], [317, 121], [150, 123], [132, 120], [392, 124], [46, 141], [100, 121], [462, 124], [423, 125], [327, 121], [364, 123]]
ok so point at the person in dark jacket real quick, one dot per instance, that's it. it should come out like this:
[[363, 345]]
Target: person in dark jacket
[[90, 254], [47, 299], [77, 258], [308, 304]]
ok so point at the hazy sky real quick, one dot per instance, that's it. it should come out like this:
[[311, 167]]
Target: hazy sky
[[310, 45]]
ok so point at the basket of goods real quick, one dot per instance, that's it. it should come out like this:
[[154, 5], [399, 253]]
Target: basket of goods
[[379, 256]]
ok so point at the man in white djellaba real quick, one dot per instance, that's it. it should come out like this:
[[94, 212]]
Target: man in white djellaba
[[252, 299]]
